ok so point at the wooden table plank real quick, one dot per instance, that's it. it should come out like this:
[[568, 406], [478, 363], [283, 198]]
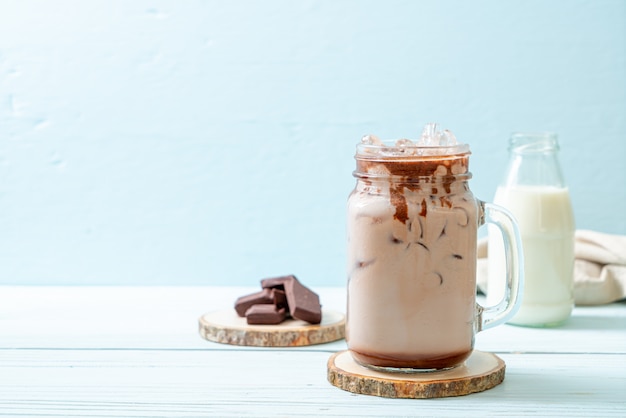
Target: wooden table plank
[[136, 351], [167, 317], [283, 383]]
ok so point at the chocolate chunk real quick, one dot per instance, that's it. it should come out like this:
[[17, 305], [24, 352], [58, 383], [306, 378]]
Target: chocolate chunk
[[283, 293], [277, 282], [304, 304], [262, 297], [280, 299], [265, 315]]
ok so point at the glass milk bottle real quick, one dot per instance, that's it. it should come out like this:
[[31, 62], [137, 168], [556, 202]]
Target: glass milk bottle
[[534, 191]]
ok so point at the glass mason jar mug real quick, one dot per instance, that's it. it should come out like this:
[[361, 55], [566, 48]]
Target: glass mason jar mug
[[412, 236]]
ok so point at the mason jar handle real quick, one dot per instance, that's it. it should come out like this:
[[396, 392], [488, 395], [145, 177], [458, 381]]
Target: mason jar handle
[[504, 310]]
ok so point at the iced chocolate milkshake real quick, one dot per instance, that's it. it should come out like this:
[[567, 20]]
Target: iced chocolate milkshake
[[412, 232]]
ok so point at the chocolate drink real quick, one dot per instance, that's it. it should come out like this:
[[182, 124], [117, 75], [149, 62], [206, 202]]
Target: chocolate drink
[[412, 231]]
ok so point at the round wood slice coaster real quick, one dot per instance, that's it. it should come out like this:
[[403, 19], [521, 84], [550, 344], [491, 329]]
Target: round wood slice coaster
[[227, 327], [480, 372]]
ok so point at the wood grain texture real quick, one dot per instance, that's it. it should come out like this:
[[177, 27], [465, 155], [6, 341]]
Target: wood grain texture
[[237, 381], [136, 352], [482, 371], [227, 327]]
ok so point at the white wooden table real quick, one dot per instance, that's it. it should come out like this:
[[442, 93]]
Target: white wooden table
[[136, 352]]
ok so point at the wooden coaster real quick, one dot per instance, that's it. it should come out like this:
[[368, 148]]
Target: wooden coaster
[[480, 372], [227, 327]]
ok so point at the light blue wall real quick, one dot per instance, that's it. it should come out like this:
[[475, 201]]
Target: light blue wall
[[211, 142]]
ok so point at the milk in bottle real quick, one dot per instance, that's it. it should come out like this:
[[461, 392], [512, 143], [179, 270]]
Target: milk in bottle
[[535, 193]]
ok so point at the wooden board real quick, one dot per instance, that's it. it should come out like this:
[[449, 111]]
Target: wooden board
[[227, 327], [480, 372]]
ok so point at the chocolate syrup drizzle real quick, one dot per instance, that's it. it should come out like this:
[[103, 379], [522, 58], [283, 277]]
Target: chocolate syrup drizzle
[[415, 174]]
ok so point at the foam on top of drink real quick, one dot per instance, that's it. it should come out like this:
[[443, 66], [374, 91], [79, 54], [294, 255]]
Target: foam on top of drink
[[432, 142]]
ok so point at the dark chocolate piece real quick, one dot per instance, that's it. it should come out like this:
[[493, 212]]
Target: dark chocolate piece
[[277, 282], [304, 304], [265, 315], [281, 294], [262, 297], [280, 299]]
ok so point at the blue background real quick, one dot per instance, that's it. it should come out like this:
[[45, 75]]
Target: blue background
[[212, 142]]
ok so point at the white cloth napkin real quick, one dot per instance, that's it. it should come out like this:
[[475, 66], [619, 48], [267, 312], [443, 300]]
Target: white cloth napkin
[[599, 267]]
